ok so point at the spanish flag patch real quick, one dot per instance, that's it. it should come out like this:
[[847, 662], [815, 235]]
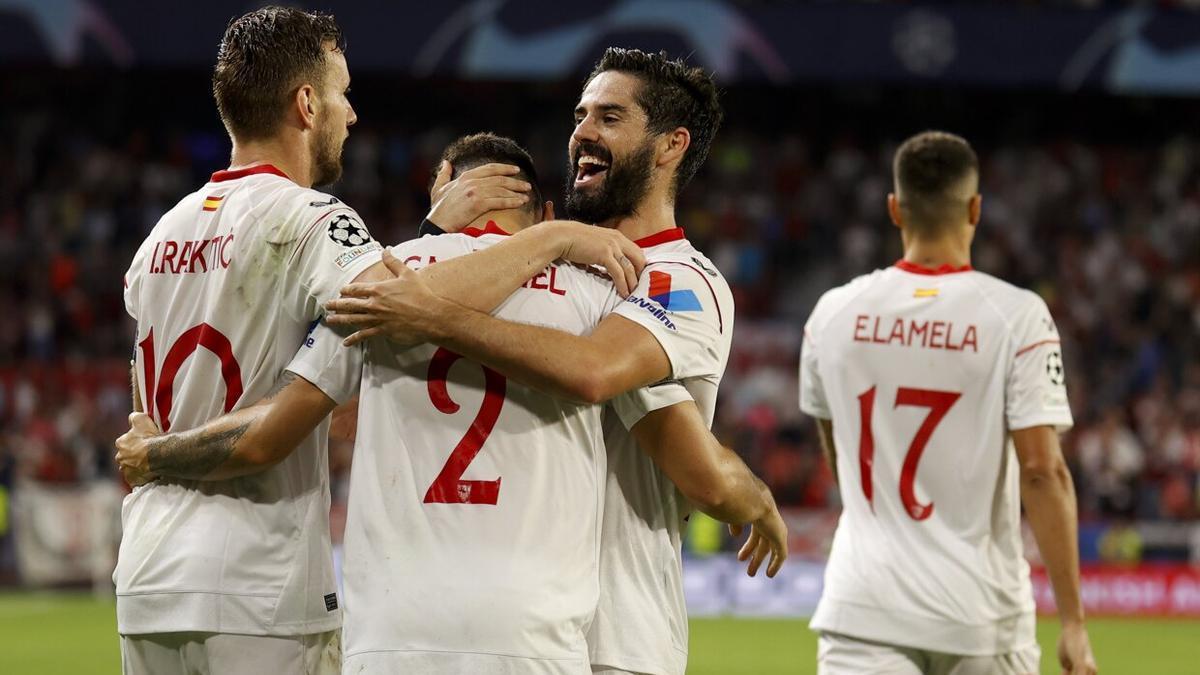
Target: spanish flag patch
[[211, 202]]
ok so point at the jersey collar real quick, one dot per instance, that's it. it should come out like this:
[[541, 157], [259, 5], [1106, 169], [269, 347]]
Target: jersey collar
[[228, 174], [490, 228], [918, 269], [673, 234]]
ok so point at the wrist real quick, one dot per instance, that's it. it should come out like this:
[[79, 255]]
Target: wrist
[[1072, 619], [548, 241], [442, 317]]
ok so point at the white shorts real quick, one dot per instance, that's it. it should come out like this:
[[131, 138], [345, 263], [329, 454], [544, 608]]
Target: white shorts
[[225, 654], [841, 655], [601, 670]]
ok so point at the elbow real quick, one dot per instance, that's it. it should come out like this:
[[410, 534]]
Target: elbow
[[713, 494], [590, 389], [1045, 473], [264, 456], [589, 383]]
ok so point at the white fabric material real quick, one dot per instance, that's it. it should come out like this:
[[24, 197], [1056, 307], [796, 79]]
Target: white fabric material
[[641, 621], [932, 558], [454, 587], [842, 655], [222, 298], [217, 654]]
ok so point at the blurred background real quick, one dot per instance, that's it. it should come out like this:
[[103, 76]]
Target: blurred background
[[1083, 113]]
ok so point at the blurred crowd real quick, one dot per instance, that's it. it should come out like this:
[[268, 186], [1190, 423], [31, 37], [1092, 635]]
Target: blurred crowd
[[1108, 234]]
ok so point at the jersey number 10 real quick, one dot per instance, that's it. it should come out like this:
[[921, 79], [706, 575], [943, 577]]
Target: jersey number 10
[[158, 397], [939, 403]]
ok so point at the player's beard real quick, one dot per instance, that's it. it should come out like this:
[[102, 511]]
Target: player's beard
[[625, 185], [327, 157]]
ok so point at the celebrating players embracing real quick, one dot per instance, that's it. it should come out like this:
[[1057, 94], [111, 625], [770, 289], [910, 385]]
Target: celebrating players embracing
[[643, 127], [233, 574], [922, 377]]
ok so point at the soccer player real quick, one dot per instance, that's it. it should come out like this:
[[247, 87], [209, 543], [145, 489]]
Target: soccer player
[[923, 378], [236, 576], [446, 572], [644, 125]]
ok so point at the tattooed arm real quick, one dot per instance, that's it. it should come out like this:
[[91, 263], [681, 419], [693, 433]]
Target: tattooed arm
[[239, 443]]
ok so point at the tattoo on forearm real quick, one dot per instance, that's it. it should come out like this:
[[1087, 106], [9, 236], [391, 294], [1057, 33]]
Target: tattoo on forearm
[[193, 457], [284, 380]]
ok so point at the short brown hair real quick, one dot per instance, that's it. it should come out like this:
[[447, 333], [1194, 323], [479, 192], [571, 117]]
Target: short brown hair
[[476, 150], [673, 94], [928, 167], [264, 56]]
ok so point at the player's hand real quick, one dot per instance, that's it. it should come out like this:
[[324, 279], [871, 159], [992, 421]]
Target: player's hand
[[1075, 650], [768, 535], [133, 450], [491, 187], [591, 245], [400, 308]]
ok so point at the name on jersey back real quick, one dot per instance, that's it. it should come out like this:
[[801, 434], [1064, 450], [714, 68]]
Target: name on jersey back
[[912, 333], [546, 280], [192, 256]]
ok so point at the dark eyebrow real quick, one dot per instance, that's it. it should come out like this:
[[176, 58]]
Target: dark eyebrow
[[603, 108]]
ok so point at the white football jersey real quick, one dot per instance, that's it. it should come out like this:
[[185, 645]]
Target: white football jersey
[[472, 533], [641, 621], [924, 373], [223, 291]]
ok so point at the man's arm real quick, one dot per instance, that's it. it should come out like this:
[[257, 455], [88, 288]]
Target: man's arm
[[825, 434], [617, 357], [715, 479], [236, 444], [1049, 498]]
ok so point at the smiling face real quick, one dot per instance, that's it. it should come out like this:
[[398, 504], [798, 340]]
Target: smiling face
[[611, 153]]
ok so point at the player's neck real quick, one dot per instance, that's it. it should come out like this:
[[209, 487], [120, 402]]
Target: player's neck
[[511, 221], [655, 214], [291, 158], [937, 252]]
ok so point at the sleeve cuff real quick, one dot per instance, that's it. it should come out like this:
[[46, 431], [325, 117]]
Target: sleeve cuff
[[429, 228]]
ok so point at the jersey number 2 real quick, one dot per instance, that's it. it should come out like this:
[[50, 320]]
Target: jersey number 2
[[449, 486], [158, 399], [939, 403]]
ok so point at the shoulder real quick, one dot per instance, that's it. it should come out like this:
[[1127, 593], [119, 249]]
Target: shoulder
[[1012, 303], [686, 267], [838, 298]]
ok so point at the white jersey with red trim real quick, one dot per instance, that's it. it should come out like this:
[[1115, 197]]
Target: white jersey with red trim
[[473, 527], [641, 621], [924, 373], [223, 291]]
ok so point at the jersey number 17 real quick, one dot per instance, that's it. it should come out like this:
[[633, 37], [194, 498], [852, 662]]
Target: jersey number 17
[[939, 403]]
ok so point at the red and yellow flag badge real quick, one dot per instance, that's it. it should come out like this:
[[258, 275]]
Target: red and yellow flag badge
[[211, 202]]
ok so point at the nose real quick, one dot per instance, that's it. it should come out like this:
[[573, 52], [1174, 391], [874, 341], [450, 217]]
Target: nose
[[352, 118], [586, 131]]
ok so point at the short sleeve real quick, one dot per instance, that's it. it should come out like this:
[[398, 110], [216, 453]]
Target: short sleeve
[[331, 367], [1035, 391], [332, 250], [812, 390], [680, 306], [632, 406]]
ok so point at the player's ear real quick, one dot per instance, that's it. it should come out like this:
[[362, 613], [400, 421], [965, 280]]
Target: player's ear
[[893, 206], [306, 106], [673, 145], [975, 209]]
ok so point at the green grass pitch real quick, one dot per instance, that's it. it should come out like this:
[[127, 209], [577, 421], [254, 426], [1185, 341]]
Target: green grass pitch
[[76, 634]]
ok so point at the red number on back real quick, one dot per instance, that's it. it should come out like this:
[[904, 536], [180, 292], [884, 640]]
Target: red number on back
[[202, 335], [449, 487], [939, 403]]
